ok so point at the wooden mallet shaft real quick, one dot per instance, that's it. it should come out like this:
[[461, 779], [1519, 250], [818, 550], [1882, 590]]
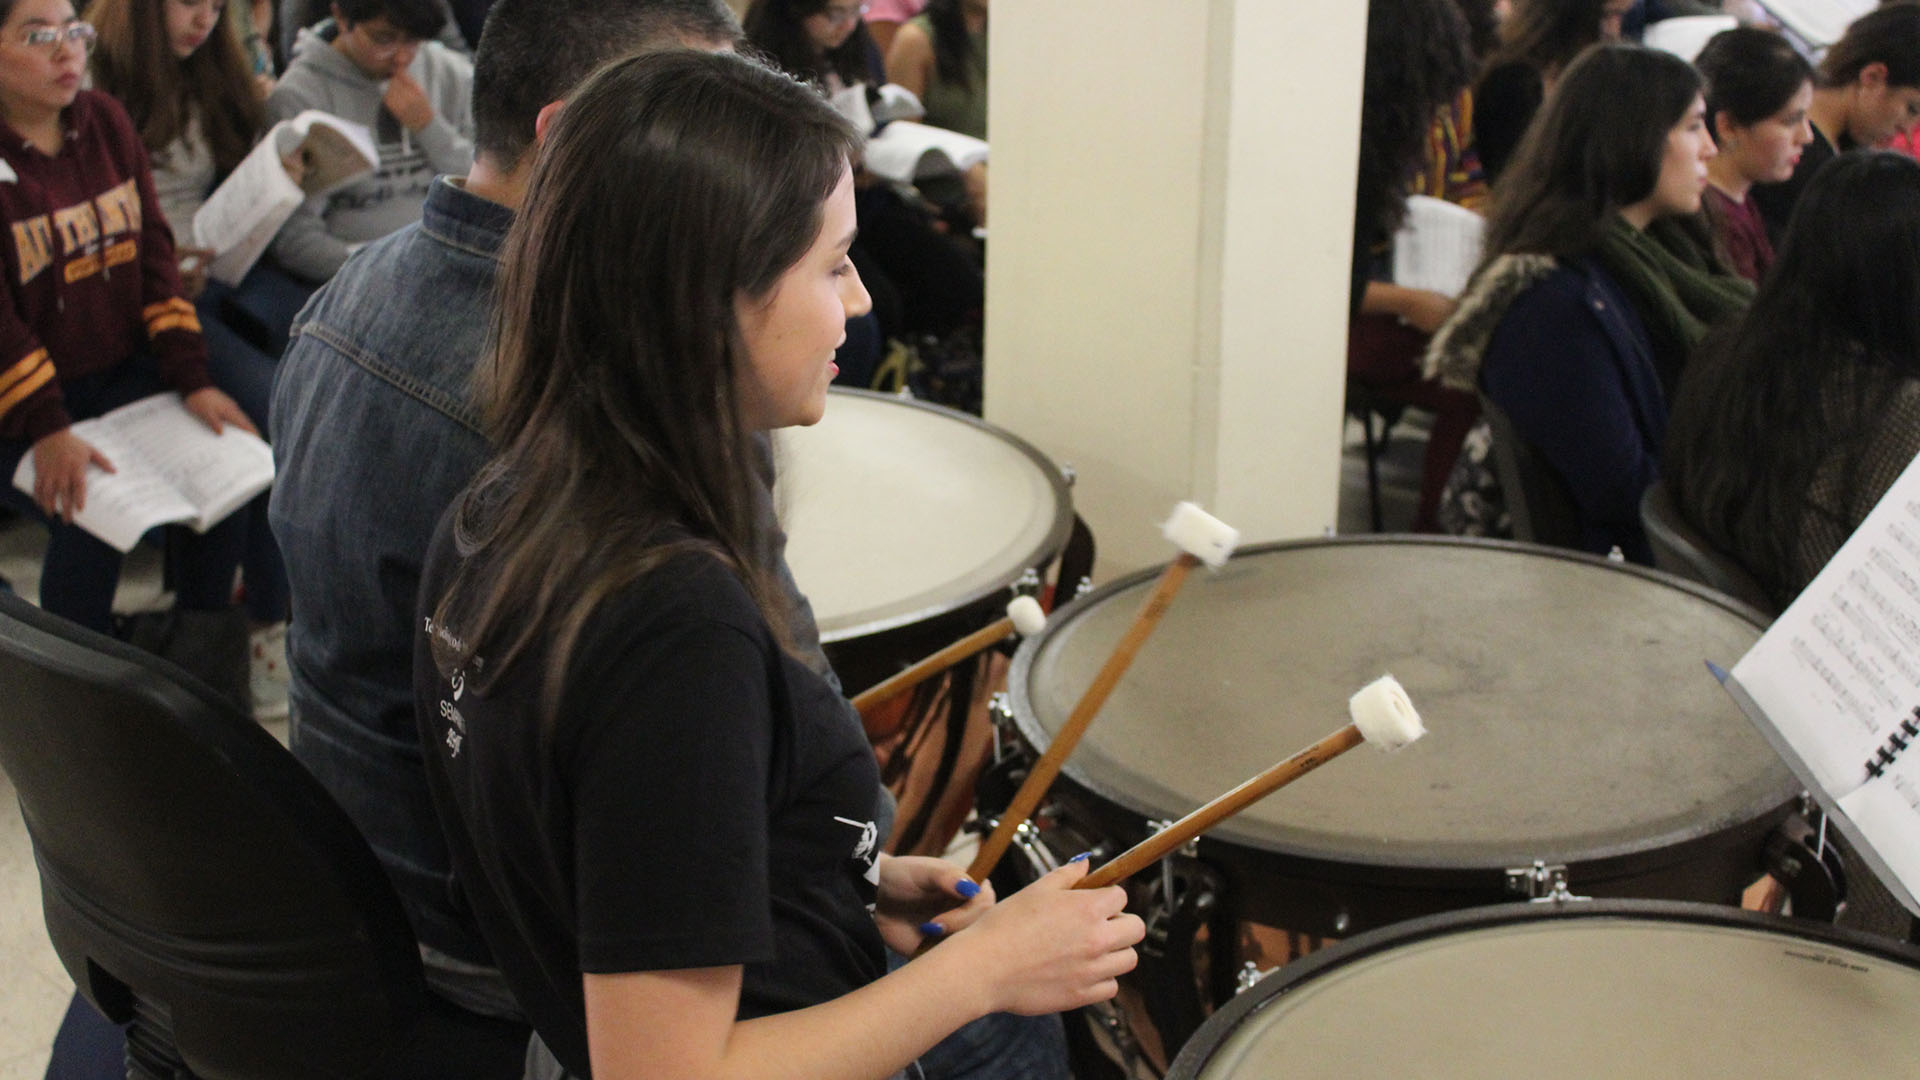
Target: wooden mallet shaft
[[1041, 776], [1155, 847], [966, 648]]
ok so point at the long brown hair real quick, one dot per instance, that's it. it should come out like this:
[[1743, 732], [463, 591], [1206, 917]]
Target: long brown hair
[[672, 184], [135, 63]]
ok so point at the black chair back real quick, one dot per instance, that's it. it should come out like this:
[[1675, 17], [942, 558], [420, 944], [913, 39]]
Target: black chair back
[[1541, 508], [196, 880], [1679, 548]]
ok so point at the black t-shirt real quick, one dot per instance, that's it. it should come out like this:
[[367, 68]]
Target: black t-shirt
[[680, 812], [1776, 201]]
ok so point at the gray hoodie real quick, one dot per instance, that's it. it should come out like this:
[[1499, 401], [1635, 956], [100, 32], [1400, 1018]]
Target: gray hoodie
[[323, 232]]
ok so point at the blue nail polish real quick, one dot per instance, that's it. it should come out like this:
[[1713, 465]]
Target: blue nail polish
[[1082, 857], [932, 929], [966, 889]]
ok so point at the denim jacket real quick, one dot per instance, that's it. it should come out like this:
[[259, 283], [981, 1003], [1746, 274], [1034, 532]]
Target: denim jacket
[[374, 434]]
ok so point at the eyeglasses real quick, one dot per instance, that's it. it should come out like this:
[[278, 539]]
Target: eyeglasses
[[76, 34], [844, 13], [386, 42]]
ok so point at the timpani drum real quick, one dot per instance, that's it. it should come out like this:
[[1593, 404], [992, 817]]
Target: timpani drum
[[1602, 989], [1572, 724], [907, 523]]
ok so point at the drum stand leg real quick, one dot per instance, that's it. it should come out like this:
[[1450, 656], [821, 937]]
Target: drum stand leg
[[1182, 899]]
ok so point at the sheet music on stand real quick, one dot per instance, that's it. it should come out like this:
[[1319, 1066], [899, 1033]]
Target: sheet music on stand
[[1834, 685], [1819, 22]]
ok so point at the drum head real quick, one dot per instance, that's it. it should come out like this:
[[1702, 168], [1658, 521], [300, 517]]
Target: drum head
[[1570, 715], [1613, 989], [897, 511]]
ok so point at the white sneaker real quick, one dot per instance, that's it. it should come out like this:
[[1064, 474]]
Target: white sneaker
[[267, 665]]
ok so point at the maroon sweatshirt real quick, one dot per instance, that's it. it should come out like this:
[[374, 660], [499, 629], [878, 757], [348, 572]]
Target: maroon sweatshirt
[[92, 277]]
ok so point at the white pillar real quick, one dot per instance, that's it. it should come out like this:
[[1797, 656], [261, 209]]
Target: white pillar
[[1171, 219]]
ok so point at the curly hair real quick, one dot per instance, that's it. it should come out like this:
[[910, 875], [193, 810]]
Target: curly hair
[[1417, 61]]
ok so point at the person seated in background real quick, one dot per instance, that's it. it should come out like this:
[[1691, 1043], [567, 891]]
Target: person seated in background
[[1597, 282], [1538, 39], [1418, 62], [884, 18], [1758, 91], [1866, 91], [179, 69], [1791, 424], [1789, 427], [941, 56], [373, 63], [93, 318], [924, 284]]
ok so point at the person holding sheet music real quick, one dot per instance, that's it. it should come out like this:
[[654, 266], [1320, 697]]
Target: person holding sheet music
[[1597, 282], [374, 64], [94, 317], [178, 67], [1758, 92], [941, 56], [670, 851], [1418, 62], [927, 288], [1866, 91]]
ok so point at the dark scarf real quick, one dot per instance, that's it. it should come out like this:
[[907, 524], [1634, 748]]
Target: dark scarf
[[1678, 288]]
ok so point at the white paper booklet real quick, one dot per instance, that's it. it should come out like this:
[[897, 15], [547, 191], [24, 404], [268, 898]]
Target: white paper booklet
[[1819, 22], [239, 219], [1438, 246], [908, 151], [1684, 36], [1834, 684], [169, 468]]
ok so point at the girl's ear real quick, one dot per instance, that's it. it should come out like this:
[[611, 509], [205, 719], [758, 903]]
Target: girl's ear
[[1873, 76], [1724, 127]]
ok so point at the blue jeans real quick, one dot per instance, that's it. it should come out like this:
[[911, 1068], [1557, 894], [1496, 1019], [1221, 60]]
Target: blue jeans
[[80, 573], [245, 328], [998, 1046]]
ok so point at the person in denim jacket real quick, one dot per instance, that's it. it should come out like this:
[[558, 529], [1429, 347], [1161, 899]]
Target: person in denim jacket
[[374, 435]]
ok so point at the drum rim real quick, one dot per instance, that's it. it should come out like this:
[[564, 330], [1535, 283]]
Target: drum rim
[[1205, 1042], [1615, 857], [1055, 540]]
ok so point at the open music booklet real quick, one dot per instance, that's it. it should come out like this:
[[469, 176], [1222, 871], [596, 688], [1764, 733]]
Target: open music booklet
[[169, 468], [1834, 685], [1819, 22], [242, 215], [1438, 246]]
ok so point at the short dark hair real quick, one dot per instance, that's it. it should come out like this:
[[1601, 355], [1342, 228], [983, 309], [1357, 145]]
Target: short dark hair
[[534, 52], [1888, 35], [1751, 74], [1595, 147], [421, 18]]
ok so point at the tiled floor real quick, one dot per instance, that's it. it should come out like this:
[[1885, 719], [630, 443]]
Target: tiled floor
[[34, 988]]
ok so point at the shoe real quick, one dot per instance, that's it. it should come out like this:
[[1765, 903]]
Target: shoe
[[267, 671]]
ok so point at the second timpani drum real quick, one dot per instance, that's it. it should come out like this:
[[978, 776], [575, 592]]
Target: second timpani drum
[[1612, 990], [907, 523], [1572, 723]]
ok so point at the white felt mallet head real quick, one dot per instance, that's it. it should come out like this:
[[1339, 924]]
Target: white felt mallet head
[[1384, 714], [1027, 617], [1201, 535]]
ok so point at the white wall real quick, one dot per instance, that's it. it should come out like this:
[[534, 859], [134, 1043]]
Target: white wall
[[1172, 204]]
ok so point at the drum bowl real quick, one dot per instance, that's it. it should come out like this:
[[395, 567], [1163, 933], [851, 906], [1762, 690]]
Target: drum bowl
[[908, 524], [1601, 989], [1571, 721]]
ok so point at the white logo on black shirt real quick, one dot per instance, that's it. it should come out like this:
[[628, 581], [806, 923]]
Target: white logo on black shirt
[[863, 848]]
